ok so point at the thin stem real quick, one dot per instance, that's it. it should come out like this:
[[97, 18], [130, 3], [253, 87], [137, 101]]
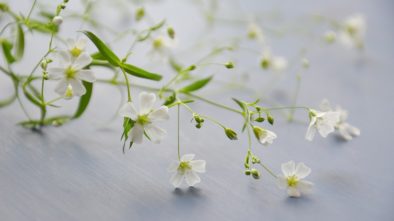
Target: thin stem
[[127, 84], [249, 138], [212, 102], [54, 100], [31, 10], [268, 170], [179, 146], [298, 86], [284, 108]]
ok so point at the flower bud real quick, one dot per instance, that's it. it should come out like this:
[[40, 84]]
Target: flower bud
[[330, 37], [255, 173], [265, 63], [69, 92], [247, 172], [139, 13], [229, 65], [231, 134], [171, 32], [305, 63], [255, 160], [259, 119], [57, 20], [270, 119], [4, 7]]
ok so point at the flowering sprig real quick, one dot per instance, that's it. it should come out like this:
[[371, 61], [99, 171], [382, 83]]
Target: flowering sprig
[[74, 67]]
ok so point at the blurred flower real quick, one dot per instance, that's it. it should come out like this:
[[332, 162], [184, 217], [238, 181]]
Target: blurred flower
[[146, 118], [346, 130], [323, 122], [186, 169], [255, 32], [353, 31], [330, 37], [264, 136], [275, 63], [292, 179], [76, 47], [70, 74]]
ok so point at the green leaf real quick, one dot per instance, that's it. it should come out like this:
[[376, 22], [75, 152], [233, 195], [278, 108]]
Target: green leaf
[[240, 104], [7, 48], [105, 51], [138, 72], [20, 43], [158, 25], [42, 27], [175, 65], [196, 85], [84, 100]]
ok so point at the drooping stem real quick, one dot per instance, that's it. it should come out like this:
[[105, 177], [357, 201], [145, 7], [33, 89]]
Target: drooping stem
[[268, 170], [178, 135], [127, 85]]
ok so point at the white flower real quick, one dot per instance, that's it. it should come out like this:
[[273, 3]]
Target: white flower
[[186, 169], [76, 48], [162, 42], [146, 118], [255, 32], [58, 20], [346, 130], [330, 37], [292, 179], [276, 63], [71, 73], [323, 122], [264, 136], [353, 31]]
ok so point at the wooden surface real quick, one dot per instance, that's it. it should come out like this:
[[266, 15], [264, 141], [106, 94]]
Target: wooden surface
[[78, 172]]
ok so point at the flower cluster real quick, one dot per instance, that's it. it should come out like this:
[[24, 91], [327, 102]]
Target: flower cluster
[[74, 73]]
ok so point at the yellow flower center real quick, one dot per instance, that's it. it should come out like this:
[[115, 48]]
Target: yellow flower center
[[265, 63], [292, 181], [158, 43], [184, 166], [75, 52], [70, 73], [143, 119]]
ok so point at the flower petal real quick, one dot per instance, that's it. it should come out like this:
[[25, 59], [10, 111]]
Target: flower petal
[[61, 87], [86, 75], [305, 186], [176, 179], [173, 166], [159, 114], [188, 157], [293, 192], [137, 133], [310, 133], [288, 169], [64, 58], [146, 102], [198, 165], [192, 178], [77, 86], [56, 73], [82, 61], [70, 43], [155, 133], [81, 43], [128, 110], [325, 105], [281, 182], [302, 171]]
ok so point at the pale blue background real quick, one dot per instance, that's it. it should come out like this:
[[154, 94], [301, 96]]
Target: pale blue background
[[78, 172]]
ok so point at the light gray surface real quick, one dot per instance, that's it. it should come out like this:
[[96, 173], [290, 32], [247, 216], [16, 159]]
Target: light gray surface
[[78, 172]]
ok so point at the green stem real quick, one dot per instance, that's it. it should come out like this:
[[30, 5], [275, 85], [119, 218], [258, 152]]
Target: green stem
[[178, 129], [298, 86], [212, 102], [268, 170], [31, 10], [127, 85]]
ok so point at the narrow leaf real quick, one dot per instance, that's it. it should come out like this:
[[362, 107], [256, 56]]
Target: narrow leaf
[[20, 43], [139, 72], [84, 100], [105, 51], [196, 85], [7, 48]]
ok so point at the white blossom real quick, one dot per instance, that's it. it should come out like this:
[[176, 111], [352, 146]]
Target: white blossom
[[346, 131], [58, 20], [292, 179], [264, 136], [76, 47], [255, 32], [186, 169], [70, 74], [146, 118], [353, 31], [322, 121], [276, 63]]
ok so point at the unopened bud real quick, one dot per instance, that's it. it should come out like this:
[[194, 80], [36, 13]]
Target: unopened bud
[[247, 172], [171, 32], [259, 119], [69, 92], [255, 173], [265, 63], [229, 65], [139, 13], [270, 119], [57, 20], [230, 133]]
